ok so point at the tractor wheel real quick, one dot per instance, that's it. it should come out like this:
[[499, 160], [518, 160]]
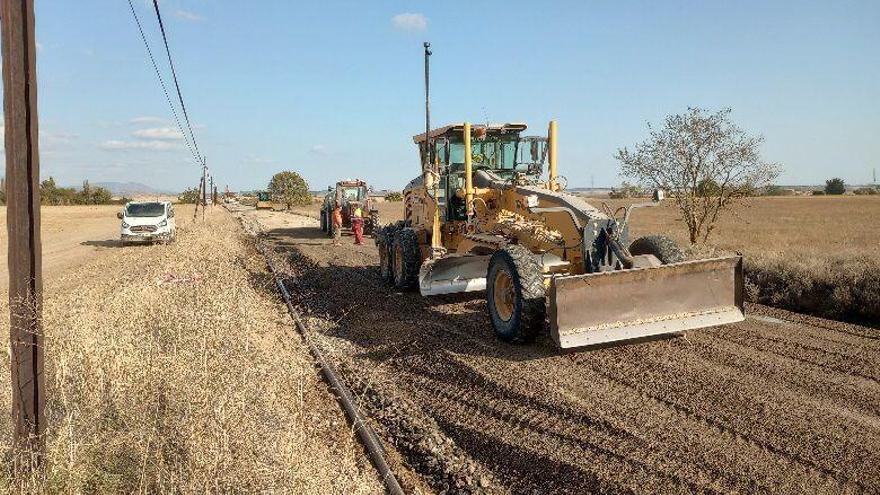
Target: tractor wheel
[[323, 221], [384, 238], [515, 294], [406, 258], [373, 226], [664, 248]]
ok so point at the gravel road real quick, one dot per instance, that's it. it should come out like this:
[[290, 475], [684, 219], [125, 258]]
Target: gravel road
[[780, 403]]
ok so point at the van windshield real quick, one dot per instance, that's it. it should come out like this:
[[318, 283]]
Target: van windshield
[[145, 210]]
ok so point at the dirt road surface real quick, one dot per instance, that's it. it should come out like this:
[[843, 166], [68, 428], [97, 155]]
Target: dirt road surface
[[780, 403]]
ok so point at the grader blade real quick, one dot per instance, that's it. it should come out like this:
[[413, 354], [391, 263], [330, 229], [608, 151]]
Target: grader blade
[[626, 304]]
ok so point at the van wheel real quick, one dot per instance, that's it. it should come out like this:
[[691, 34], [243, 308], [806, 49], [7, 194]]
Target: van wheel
[[515, 294], [406, 258]]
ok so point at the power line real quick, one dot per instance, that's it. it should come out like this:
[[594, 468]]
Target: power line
[[195, 155], [174, 75]]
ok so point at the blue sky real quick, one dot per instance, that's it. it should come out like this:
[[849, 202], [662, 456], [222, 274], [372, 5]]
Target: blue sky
[[334, 89]]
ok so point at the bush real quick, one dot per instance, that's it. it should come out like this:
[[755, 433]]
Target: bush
[[394, 196], [866, 191], [818, 192], [835, 186], [51, 194], [628, 190], [774, 190], [835, 287], [189, 196]]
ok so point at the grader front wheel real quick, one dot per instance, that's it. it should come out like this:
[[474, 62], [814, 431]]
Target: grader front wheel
[[515, 294]]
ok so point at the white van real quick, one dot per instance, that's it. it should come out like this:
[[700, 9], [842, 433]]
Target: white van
[[147, 221]]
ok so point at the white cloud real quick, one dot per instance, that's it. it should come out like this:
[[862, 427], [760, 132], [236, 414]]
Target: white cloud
[[117, 145], [410, 22], [147, 120], [163, 133], [318, 149], [188, 16], [39, 46]]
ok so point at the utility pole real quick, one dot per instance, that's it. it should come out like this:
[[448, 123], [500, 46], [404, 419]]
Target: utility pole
[[204, 182], [213, 192], [19, 53]]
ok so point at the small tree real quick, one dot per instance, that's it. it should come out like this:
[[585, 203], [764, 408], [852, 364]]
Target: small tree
[[290, 189], [835, 186], [393, 196], [688, 152]]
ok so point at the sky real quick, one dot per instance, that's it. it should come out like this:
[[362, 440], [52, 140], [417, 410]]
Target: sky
[[334, 89]]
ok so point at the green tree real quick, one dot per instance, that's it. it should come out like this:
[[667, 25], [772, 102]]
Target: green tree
[[289, 189], [394, 196], [694, 148], [835, 186]]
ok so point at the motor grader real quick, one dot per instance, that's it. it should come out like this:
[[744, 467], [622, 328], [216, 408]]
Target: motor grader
[[483, 216]]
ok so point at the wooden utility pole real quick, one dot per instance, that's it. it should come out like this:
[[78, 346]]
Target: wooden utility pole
[[23, 228], [212, 193]]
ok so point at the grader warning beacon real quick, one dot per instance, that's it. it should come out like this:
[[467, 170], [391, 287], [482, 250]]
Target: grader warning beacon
[[482, 216]]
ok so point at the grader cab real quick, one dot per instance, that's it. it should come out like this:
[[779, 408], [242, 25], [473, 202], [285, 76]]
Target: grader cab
[[483, 216]]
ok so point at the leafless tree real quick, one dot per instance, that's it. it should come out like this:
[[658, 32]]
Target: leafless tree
[[691, 150]]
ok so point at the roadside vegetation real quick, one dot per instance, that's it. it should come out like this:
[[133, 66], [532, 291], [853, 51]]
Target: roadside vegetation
[[172, 369], [52, 194], [709, 166]]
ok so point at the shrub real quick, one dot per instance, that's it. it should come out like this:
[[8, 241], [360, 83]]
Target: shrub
[[818, 192], [835, 186], [845, 287], [394, 196], [627, 190], [866, 191], [189, 196]]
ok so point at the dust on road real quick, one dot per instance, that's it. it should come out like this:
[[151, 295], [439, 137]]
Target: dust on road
[[763, 405]]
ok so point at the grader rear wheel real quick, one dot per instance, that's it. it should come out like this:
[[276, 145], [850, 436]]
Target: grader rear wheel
[[406, 258], [515, 294], [384, 237]]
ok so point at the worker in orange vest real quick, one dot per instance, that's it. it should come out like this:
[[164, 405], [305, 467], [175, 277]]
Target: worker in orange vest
[[337, 224], [357, 223]]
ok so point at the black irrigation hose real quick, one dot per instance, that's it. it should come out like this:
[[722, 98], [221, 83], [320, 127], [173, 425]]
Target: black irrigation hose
[[343, 395]]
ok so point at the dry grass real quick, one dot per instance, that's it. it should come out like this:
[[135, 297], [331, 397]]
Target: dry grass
[[191, 386]]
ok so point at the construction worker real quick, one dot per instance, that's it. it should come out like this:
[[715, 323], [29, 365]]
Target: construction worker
[[357, 224], [337, 223]]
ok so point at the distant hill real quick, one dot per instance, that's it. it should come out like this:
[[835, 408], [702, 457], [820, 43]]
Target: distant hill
[[129, 188]]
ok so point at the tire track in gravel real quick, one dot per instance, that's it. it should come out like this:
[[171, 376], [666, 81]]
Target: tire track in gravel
[[738, 406], [752, 407]]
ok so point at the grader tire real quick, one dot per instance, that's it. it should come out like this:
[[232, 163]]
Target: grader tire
[[664, 248], [384, 238], [406, 258], [515, 294]]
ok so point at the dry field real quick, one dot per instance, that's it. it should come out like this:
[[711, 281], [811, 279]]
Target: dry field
[[766, 405], [174, 369]]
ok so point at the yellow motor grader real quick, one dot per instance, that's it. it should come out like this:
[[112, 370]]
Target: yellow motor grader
[[483, 216]]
